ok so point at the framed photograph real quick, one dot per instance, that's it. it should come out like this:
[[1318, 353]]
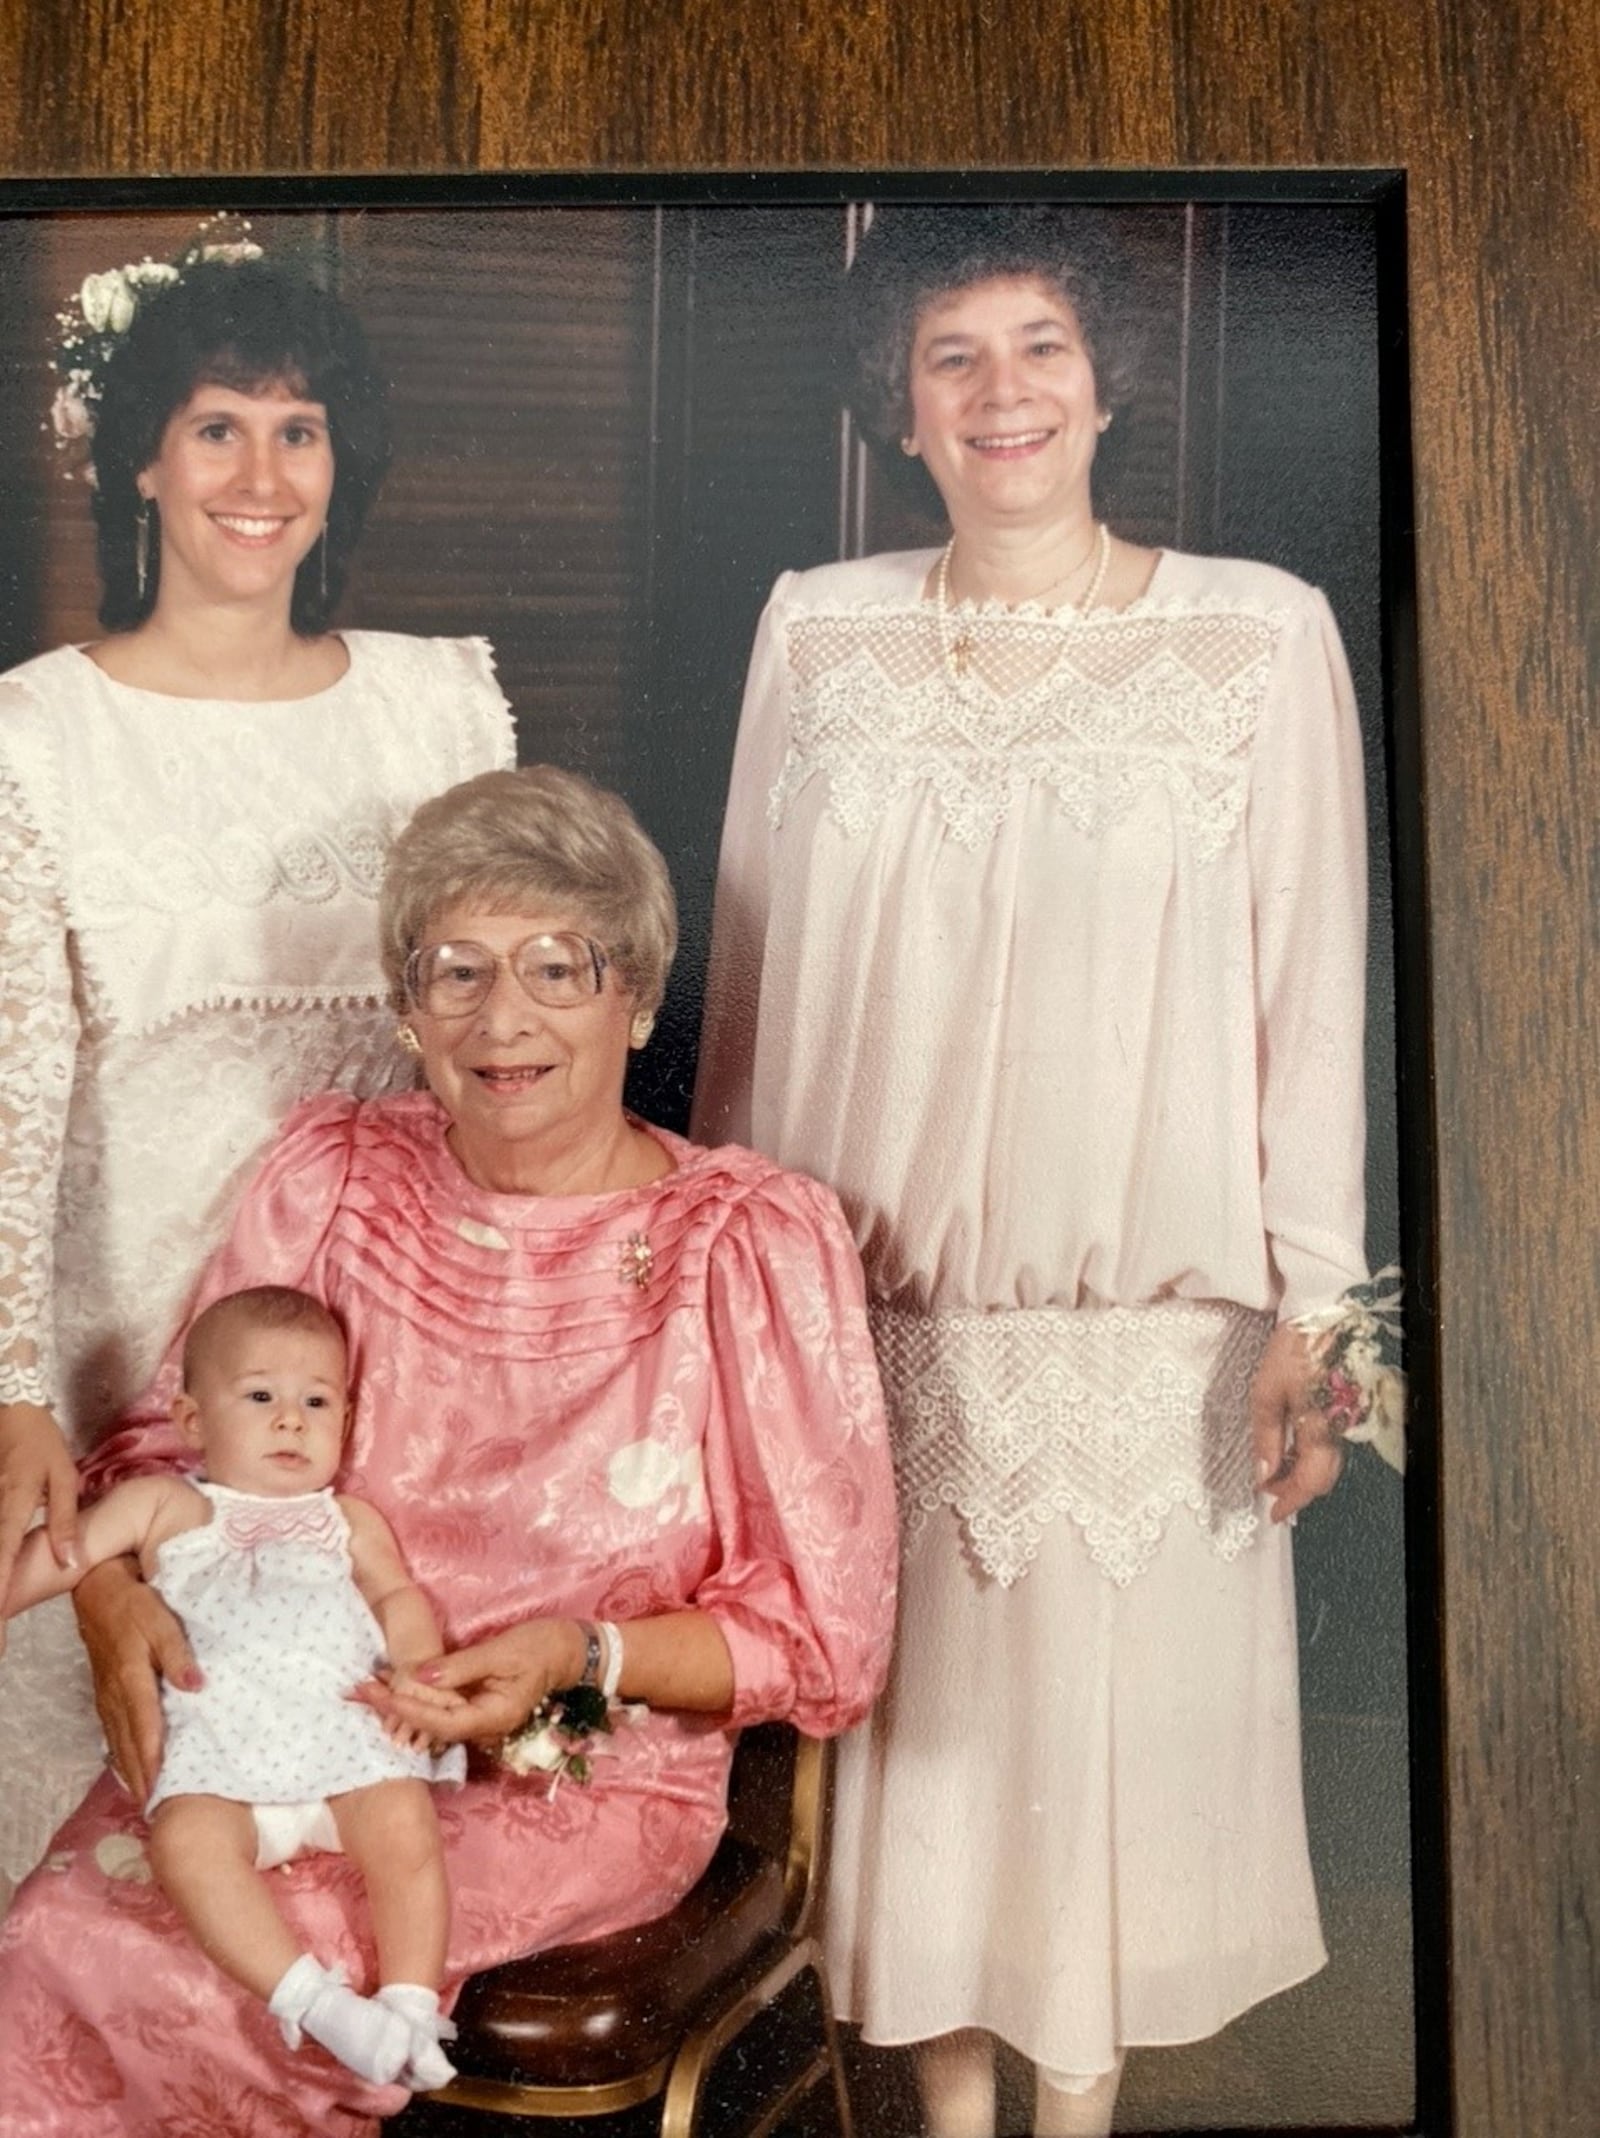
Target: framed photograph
[[619, 415]]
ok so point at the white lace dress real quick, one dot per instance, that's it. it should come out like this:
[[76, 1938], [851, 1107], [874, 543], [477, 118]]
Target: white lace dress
[[1055, 971], [188, 898]]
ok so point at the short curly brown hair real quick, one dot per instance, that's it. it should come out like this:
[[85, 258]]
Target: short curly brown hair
[[913, 256]]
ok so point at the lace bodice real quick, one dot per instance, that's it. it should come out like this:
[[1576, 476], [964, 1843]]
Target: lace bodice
[[1098, 710], [188, 904]]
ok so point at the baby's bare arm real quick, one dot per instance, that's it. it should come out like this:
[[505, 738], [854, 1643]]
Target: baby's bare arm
[[410, 1629], [136, 1517]]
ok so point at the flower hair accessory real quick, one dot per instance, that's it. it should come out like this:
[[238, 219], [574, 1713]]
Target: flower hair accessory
[[103, 308], [1359, 1389]]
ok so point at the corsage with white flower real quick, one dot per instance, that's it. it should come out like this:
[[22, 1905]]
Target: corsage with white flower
[[558, 1737], [104, 307], [1360, 1389]]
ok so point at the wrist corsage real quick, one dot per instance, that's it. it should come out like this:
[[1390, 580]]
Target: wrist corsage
[[558, 1737], [1359, 1388]]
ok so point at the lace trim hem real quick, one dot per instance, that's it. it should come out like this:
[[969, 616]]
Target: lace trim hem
[[1114, 1417]]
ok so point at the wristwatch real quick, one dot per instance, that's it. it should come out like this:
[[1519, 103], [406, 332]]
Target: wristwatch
[[591, 1652]]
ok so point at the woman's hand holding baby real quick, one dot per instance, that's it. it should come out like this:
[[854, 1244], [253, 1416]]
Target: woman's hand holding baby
[[134, 1642], [35, 1471], [480, 1694]]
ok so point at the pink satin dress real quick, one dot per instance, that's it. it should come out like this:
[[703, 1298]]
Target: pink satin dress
[[604, 1406]]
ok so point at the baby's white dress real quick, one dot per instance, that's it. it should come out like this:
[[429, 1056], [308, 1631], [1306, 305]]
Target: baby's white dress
[[281, 1634], [188, 905], [1055, 971]]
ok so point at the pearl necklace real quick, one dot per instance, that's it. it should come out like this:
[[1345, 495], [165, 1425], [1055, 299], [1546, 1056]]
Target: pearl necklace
[[957, 653]]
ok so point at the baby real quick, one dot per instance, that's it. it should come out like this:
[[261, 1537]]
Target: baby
[[291, 1595]]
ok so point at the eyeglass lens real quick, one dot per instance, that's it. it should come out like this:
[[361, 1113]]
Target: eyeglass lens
[[450, 979]]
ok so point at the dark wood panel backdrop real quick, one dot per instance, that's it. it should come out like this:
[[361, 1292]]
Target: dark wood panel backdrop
[[1494, 113]]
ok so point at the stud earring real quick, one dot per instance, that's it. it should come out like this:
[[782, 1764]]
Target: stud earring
[[408, 1039], [641, 1028], [141, 546], [908, 446], [1105, 420]]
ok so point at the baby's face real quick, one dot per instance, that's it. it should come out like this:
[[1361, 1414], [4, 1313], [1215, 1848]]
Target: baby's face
[[267, 1410]]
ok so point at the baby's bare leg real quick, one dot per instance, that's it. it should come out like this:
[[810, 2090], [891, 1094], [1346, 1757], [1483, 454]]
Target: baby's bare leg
[[391, 1835], [204, 1853]]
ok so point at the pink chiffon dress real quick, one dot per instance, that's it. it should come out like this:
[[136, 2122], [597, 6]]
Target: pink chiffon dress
[[605, 1406], [1052, 963]]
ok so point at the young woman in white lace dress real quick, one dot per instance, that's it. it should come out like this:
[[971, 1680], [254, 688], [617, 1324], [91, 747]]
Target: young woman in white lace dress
[[194, 813], [1040, 935]]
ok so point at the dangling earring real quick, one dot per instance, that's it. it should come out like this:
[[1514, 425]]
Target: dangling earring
[[141, 546], [322, 561], [408, 1039], [641, 1028]]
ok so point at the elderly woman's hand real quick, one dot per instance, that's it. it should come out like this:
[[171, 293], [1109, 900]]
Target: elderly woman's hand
[[496, 1683], [1298, 1455], [134, 1641], [35, 1471]]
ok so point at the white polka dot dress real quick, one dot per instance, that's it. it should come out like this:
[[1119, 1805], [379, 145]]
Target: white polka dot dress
[[281, 1633]]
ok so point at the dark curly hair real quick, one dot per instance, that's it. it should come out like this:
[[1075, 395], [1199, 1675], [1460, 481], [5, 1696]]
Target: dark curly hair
[[248, 325], [912, 256]]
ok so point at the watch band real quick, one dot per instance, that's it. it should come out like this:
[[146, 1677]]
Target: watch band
[[591, 1652]]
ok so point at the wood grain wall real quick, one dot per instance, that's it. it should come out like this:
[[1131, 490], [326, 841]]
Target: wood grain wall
[[1493, 110]]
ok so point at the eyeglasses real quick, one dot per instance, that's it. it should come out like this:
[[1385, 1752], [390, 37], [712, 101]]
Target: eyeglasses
[[454, 979]]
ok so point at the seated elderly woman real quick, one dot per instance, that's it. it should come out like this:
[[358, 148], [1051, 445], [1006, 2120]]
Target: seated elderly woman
[[604, 1378]]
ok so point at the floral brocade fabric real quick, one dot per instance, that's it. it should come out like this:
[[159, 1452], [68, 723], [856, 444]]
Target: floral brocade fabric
[[545, 1434]]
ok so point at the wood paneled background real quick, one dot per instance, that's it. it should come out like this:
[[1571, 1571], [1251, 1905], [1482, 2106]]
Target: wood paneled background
[[1492, 108]]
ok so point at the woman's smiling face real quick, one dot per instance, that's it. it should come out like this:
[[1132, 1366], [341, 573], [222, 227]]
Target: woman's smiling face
[[523, 1083], [242, 483], [1004, 408]]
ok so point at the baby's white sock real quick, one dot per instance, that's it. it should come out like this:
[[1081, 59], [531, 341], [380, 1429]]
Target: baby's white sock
[[367, 2037], [428, 2067]]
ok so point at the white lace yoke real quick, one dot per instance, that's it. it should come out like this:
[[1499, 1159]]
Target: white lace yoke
[[188, 898], [1097, 709]]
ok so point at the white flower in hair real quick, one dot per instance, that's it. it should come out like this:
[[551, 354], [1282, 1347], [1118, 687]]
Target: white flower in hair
[[106, 301], [69, 413], [102, 310]]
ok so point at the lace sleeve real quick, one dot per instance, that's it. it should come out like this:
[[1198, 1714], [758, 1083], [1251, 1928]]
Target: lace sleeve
[[38, 1036]]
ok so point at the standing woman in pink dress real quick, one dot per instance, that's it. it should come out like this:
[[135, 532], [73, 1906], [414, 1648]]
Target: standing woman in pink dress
[[194, 811], [1040, 935]]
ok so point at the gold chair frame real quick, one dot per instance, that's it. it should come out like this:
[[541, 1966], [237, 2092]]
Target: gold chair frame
[[731, 2003]]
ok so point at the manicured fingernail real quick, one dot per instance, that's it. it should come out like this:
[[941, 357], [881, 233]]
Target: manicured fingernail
[[1263, 1470], [429, 1673], [70, 1556]]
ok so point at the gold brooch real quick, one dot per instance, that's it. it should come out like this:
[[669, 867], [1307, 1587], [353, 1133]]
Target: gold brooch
[[637, 1262]]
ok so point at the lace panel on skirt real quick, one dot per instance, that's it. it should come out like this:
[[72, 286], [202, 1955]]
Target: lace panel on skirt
[[1115, 1417]]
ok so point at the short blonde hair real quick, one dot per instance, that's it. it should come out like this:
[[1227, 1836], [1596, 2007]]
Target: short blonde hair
[[534, 838], [260, 1306]]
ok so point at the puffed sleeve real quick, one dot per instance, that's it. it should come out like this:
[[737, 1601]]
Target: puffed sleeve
[[797, 1464], [38, 1041], [1307, 839], [278, 1236], [721, 1112]]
